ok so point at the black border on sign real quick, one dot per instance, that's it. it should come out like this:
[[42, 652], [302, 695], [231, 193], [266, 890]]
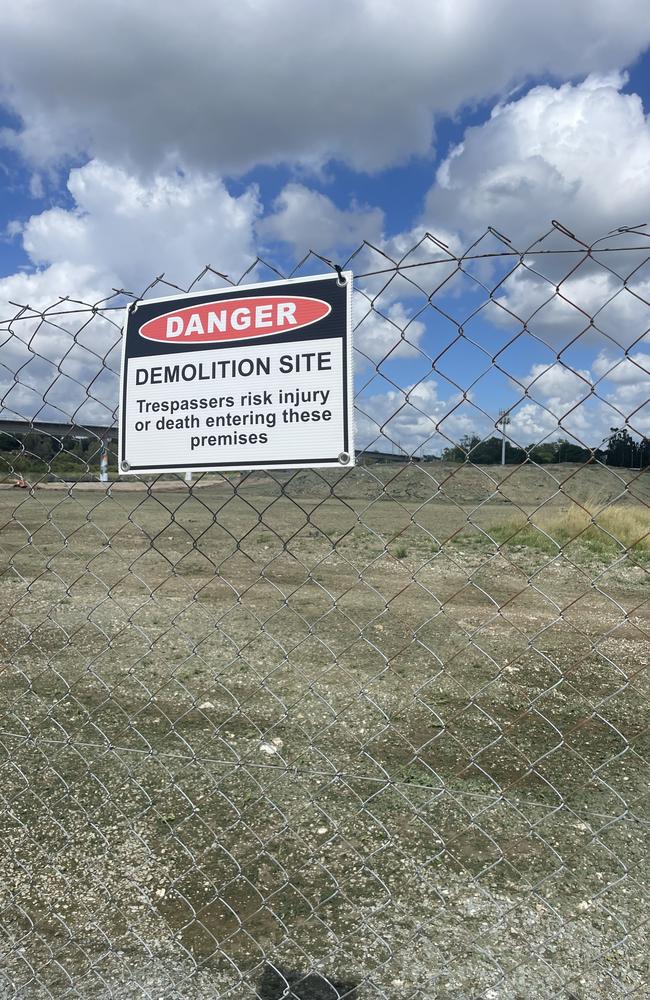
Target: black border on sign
[[304, 463]]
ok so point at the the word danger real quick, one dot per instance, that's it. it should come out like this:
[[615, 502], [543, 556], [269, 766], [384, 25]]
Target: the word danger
[[235, 319]]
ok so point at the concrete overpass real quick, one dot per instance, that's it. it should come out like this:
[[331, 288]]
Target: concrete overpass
[[59, 430]]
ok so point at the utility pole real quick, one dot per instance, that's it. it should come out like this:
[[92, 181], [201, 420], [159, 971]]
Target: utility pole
[[503, 420]]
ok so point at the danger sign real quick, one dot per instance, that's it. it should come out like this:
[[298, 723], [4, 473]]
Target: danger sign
[[257, 376]]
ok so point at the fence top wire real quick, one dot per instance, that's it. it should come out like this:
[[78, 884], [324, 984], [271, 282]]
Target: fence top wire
[[472, 253]]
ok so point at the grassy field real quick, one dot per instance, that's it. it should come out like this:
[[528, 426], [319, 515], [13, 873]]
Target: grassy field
[[390, 724]]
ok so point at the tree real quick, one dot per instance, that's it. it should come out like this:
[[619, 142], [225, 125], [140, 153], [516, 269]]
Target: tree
[[623, 450], [471, 448]]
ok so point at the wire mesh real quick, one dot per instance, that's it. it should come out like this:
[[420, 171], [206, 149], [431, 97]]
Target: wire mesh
[[378, 732]]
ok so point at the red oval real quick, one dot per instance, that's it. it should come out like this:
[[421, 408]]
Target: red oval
[[235, 319]]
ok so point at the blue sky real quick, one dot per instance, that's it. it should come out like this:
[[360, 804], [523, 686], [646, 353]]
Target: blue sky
[[272, 128]]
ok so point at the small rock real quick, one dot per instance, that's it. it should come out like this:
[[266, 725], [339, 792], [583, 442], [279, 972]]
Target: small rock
[[206, 704]]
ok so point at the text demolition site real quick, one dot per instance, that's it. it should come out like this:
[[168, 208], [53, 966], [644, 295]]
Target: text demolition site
[[206, 371]]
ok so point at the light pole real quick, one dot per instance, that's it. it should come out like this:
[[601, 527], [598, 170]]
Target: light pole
[[503, 420]]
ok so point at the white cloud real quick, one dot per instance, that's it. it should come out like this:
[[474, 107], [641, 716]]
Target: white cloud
[[416, 418], [532, 424], [626, 386], [557, 385], [393, 335], [118, 231], [559, 402], [557, 308], [578, 153], [633, 369], [63, 363], [559, 405], [229, 86], [307, 219], [587, 424], [122, 227], [42, 288]]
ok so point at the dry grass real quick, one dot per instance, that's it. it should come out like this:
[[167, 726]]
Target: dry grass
[[601, 528]]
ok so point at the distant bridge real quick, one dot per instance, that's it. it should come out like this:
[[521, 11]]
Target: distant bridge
[[57, 430]]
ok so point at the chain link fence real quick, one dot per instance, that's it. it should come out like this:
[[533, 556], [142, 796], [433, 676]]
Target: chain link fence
[[379, 732]]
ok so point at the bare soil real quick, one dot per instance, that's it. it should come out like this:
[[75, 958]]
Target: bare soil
[[323, 720]]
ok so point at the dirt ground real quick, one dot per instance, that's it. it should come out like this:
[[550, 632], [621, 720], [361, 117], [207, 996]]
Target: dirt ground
[[323, 720]]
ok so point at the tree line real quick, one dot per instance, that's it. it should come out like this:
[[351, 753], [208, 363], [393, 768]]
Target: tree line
[[41, 453], [38, 452], [619, 449]]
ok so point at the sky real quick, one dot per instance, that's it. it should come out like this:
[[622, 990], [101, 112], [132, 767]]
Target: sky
[[137, 139]]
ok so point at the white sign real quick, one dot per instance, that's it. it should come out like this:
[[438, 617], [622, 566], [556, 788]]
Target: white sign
[[255, 376]]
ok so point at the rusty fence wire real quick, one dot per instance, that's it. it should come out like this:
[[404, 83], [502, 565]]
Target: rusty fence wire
[[378, 732]]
